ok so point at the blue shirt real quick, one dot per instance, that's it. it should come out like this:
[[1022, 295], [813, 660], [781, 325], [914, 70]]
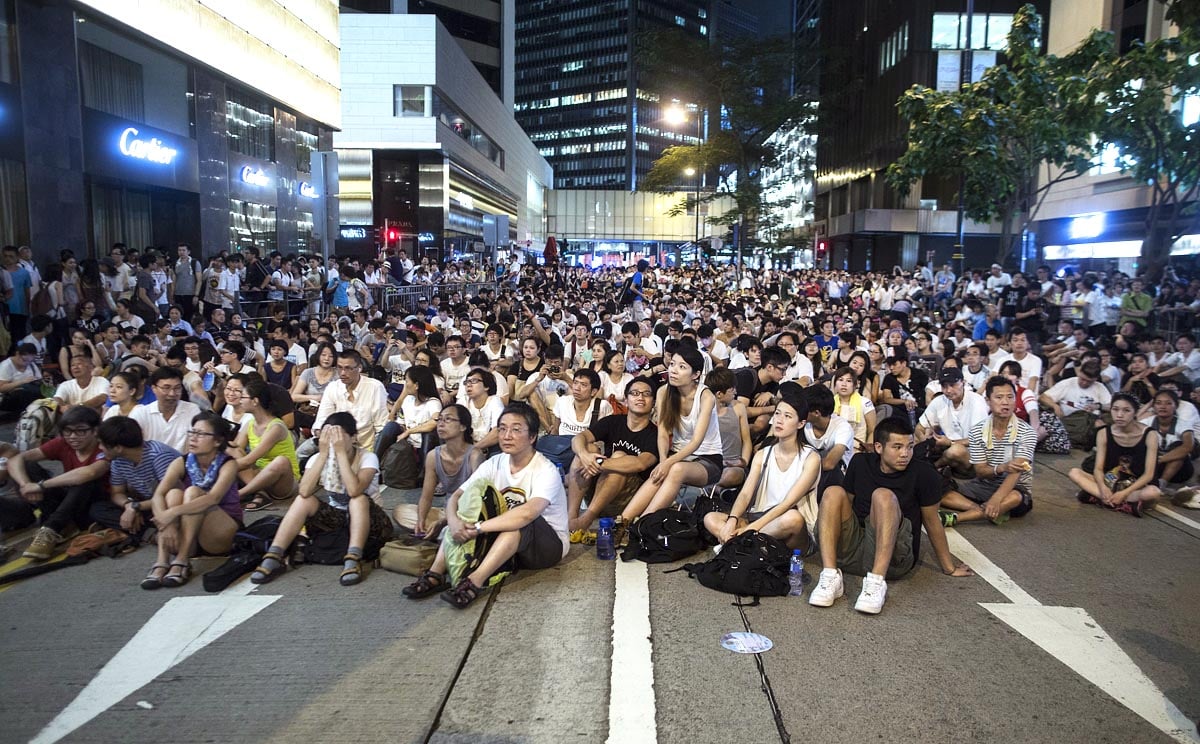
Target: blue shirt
[[141, 479], [981, 329], [21, 282], [340, 297]]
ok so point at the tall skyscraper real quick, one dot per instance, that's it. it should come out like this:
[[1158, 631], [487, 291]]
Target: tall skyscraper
[[578, 94]]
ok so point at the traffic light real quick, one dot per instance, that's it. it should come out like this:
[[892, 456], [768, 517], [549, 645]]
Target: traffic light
[[821, 246], [393, 235]]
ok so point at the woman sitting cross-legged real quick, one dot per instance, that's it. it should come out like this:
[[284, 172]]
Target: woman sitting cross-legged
[[265, 450], [449, 464], [344, 473], [1122, 476], [196, 507], [779, 497]]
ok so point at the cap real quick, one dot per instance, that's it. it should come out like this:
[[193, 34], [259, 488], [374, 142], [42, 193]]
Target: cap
[[774, 298], [950, 376]]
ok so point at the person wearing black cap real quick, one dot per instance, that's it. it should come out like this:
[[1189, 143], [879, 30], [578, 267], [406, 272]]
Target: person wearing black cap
[[942, 432]]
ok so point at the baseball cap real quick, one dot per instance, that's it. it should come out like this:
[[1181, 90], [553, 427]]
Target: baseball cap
[[950, 376]]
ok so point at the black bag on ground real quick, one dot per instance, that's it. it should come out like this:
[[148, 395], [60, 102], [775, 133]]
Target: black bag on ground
[[249, 546], [663, 536], [401, 466], [751, 565]]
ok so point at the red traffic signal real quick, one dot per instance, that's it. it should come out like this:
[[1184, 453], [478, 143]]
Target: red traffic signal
[[393, 235], [821, 245]]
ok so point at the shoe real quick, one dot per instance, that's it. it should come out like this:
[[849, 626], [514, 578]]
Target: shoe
[[1188, 498], [620, 533], [949, 518], [583, 537], [828, 588], [1001, 519], [174, 581], [1130, 507], [874, 591], [1086, 498], [44, 546]]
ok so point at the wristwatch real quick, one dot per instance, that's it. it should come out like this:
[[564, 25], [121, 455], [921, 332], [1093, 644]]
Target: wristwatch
[[479, 527]]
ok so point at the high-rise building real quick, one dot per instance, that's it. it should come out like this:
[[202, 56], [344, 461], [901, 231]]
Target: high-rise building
[[874, 51], [482, 28], [578, 94]]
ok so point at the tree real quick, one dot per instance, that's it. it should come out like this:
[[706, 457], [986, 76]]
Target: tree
[[1028, 115], [1142, 91], [748, 84]]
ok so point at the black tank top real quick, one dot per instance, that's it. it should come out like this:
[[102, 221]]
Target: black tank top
[[1128, 462]]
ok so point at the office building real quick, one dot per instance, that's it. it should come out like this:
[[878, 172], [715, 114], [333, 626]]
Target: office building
[[151, 123]]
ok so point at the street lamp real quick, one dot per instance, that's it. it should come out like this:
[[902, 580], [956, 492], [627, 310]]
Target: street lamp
[[675, 116]]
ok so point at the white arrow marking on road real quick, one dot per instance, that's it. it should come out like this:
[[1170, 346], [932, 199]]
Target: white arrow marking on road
[[1072, 636], [182, 627], [631, 710]]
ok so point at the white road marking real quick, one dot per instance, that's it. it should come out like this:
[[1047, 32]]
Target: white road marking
[[631, 709], [1166, 511], [1070, 635], [179, 629]]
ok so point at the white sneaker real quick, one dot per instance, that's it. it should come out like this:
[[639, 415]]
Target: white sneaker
[[874, 591], [828, 588]]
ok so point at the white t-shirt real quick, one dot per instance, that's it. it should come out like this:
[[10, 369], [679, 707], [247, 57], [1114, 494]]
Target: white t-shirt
[[955, 423], [1072, 398], [569, 424], [838, 432], [10, 373], [1031, 366], [70, 393], [413, 414], [172, 433], [537, 480], [1191, 363], [485, 419], [454, 374], [800, 367]]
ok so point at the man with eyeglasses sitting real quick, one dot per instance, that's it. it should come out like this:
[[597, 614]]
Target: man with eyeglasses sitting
[[167, 419], [364, 398]]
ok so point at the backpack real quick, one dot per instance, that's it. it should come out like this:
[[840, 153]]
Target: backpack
[[42, 303], [36, 424], [626, 295], [663, 536], [400, 467], [751, 565]]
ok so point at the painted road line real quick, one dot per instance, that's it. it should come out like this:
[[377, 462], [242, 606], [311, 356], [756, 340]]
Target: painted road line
[[179, 629], [631, 709], [1070, 635], [1167, 511]]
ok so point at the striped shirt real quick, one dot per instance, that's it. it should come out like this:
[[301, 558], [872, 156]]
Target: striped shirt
[[142, 478], [998, 450]]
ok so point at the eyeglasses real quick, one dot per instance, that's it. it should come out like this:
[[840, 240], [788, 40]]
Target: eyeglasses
[[516, 431], [193, 433], [77, 431], [448, 420], [472, 381], [347, 368], [169, 388], [639, 394]]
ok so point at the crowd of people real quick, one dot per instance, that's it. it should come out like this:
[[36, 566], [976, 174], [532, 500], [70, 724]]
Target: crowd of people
[[841, 412]]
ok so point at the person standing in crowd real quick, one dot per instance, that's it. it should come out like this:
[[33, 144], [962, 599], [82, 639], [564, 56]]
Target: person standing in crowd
[[186, 282], [19, 290]]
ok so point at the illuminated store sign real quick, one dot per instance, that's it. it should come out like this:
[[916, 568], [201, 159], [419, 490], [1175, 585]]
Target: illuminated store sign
[[354, 233], [306, 190], [255, 176], [152, 149], [1086, 226], [425, 237]]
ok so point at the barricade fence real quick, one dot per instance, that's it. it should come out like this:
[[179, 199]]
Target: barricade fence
[[385, 297]]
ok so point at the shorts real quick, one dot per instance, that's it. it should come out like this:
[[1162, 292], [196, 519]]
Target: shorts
[[621, 500], [540, 545], [856, 547], [1186, 471], [980, 490], [713, 466]]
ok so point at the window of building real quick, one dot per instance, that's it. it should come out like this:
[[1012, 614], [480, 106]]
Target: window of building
[[251, 224], [111, 83], [452, 117], [988, 30], [680, 21], [250, 122], [8, 42], [466, 25], [409, 100], [306, 144]]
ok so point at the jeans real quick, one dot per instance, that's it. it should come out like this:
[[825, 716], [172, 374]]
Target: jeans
[[387, 437], [63, 506]]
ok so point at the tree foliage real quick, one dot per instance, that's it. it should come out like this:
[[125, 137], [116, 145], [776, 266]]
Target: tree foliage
[[744, 84], [1028, 115]]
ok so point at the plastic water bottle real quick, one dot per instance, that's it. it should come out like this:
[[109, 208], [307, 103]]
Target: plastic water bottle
[[208, 380], [605, 550], [796, 575]]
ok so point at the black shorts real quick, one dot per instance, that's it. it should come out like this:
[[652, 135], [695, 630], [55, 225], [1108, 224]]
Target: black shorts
[[540, 545], [714, 465]]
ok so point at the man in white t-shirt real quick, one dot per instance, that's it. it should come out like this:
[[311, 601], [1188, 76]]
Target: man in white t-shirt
[[1080, 397], [944, 429], [454, 368], [83, 389], [168, 418], [1031, 364], [533, 530], [576, 412], [830, 434], [998, 279], [1184, 362]]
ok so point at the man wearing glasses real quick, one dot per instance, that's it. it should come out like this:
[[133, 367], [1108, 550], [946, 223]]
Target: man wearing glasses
[[64, 499], [168, 419], [364, 398]]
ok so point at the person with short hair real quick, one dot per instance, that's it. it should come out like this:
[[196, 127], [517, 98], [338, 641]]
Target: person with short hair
[[169, 417], [83, 389], [871, 524], [1001, 458], [352, 392], [943, 429], [136, 466], [532, 531], [20, 379], [65, 499]]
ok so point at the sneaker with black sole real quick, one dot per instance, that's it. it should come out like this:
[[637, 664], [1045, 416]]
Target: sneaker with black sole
[[44, 546], [949, 518]]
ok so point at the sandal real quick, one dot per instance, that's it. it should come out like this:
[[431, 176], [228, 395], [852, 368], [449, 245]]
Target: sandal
[[154, 580], [583, 537], [172, 581], [462, 595], [429, 582], [264, 575], [258, 503], [353, 575]]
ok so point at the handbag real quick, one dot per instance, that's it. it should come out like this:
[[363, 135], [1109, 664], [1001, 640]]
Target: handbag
[[408, 555]]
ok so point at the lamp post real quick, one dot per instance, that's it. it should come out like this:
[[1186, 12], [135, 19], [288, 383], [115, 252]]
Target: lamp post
[[691, 172]]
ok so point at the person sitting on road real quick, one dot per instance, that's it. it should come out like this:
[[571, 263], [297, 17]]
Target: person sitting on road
[[830, 434], [1123, 472], [734, 422], [20, 379], [64, 499], [613, 458], [942, 430], [779, 497], [871, 524], [1176, 440], [851, 405], [268, 469], [414, 414], [136, 467], [352, 392], [195, 506], [448, 465], [1079, 402], [167, 419], [689, 440], [83, 389], [484, 406], [1001, 448], [338, 493], [533, 529]]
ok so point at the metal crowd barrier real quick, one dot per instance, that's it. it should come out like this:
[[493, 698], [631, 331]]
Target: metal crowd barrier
[[386, 296]]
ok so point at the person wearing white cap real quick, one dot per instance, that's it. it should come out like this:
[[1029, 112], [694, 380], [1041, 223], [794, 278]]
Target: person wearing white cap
[[998, 280]]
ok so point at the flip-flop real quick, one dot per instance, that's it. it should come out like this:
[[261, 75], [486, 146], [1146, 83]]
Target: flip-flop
[[258, 503]]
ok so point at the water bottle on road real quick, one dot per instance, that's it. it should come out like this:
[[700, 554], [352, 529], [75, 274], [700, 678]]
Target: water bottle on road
[[796, 575], [605, 550]]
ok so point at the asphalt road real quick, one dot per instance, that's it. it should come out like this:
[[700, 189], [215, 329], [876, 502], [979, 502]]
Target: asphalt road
[[86, 655]]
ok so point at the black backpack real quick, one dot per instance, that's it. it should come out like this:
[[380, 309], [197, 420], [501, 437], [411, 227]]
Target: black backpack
[[663, 536], [751, 565]]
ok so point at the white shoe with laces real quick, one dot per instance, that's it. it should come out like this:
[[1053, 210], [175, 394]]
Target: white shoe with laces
[[829, 587], [874, 591]]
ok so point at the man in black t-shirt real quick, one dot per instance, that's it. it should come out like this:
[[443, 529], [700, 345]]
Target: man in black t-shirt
[[612, 459], [1010, 298], [758, 389], [871, 525]]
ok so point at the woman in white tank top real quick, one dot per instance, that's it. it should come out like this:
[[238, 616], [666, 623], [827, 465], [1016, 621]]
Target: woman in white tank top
[[779, 497], [689, 437]]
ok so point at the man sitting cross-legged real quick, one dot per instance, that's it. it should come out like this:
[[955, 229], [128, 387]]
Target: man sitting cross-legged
[[613, 457], [1002, 457], [871, 524]]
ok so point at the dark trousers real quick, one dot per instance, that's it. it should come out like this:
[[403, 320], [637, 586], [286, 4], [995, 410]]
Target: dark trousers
[[18, 327], [107, 514], [187, 304], [19, 399], [62, 507]]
